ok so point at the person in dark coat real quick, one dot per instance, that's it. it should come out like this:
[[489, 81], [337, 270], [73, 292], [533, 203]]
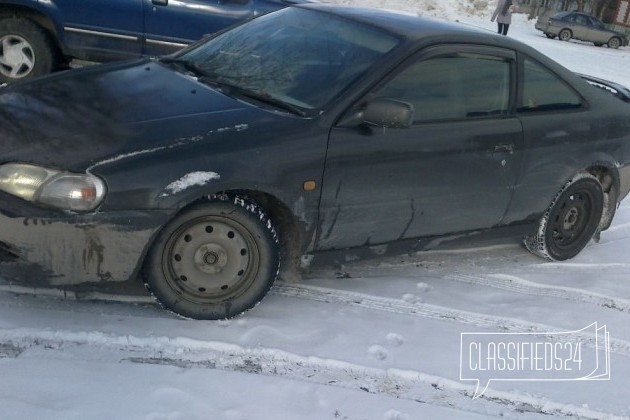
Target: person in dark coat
[[503, 15]]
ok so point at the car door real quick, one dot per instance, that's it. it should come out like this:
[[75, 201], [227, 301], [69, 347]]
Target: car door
[[580, 27], [172, 24], [557, 131], [101, 27], [451, 171], [597, 31]]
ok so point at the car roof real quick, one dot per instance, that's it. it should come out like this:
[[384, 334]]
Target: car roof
[[562, 14], [403, 24], [582, 14], [420, 31]]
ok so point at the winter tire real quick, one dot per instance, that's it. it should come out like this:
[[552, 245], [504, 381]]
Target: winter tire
[[214, 260], [550, 36], [614, 43], [25, 50], [570, 221], [565, 35]]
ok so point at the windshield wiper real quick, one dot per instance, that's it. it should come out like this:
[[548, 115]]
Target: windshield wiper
[[258, 95], [229, 88], [189, 66]]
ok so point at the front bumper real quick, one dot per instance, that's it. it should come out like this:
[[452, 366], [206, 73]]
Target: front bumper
[[40, 246]]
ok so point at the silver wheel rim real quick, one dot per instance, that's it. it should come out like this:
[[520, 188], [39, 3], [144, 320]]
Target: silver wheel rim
[[211, 259], [565, 35], [614, 43], [17, 57]]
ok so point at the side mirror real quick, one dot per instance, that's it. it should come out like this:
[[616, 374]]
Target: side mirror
[[382, 112]]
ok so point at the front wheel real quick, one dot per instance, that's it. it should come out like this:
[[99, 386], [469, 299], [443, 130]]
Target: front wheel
[[25, 50], [550, 36], [215, 260], [614, 43], [570, 221], [565, 35]]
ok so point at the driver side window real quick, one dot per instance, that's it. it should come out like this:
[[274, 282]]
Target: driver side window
[[453, 87]]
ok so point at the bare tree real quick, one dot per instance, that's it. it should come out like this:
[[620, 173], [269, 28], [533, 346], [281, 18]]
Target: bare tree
[[604, 9], [580, 5]]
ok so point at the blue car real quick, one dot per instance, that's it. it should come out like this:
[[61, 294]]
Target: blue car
[[37, 37], [580, 26]]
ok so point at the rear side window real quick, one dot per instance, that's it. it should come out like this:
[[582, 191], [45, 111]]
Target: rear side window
[[454, 86], [581, 20], [544, 91]]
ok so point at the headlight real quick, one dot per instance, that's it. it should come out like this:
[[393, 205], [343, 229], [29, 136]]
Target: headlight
[[64, 190]]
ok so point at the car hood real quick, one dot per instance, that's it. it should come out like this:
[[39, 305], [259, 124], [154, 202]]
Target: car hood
[[613, 32], [76, 118]]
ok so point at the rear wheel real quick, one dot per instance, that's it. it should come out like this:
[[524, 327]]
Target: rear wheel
[[570, 221], [565, 35], [614, 43], [25, 50], [215, 260]]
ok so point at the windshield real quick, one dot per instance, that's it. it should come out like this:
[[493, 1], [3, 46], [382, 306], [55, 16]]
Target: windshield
[[300, 57]]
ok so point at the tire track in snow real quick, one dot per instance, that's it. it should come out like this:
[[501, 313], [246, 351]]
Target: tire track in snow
[[190, 353], [424, 310], [390, 305], [519, 285]]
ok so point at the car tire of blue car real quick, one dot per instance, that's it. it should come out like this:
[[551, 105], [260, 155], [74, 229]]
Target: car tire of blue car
[[26, 50], [614, 43], [565, 35], [571, 220], [214, 260]]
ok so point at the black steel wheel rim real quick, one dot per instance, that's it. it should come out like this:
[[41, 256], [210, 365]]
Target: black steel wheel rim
[[210, 260], [571, 219]]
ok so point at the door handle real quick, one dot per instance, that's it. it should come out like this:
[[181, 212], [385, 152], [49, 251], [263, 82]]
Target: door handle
[[503, 148]]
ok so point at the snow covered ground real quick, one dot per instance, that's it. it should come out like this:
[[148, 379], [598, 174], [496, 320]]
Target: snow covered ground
[[377, 339]]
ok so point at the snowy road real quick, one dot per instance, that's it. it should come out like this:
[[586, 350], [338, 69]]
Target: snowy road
[[376, 339], [382, 342]]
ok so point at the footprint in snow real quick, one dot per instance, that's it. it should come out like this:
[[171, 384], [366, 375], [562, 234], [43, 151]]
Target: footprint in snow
[[395, 415], [395, 340], [378, 352], [423, 287], [411, 298]]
